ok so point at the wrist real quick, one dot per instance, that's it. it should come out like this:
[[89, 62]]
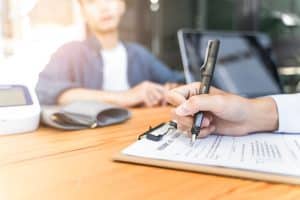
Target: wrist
[[108, 97], [121, 98], [127, 98], [263, 115]]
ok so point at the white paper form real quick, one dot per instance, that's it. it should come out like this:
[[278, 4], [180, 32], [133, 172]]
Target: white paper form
[[264, 152]]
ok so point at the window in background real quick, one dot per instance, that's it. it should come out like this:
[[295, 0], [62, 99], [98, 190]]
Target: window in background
[[31, 32]]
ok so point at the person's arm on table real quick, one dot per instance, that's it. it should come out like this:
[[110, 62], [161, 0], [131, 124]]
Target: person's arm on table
[[225, 113], [147, 94], [57, 85]]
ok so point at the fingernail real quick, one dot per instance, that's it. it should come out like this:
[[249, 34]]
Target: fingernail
[[182, 110]]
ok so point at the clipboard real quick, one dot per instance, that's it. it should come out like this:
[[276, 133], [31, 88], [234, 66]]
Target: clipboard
[[206, 169]]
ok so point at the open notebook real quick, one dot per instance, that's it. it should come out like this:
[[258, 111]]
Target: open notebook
[[264, 156]]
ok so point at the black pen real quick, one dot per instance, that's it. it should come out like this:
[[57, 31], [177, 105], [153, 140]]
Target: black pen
[[207, 71]]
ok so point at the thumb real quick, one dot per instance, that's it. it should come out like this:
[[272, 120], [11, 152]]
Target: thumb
[[203, 102]]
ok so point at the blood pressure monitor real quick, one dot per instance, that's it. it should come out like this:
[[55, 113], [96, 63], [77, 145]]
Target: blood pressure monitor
[[19, 109]]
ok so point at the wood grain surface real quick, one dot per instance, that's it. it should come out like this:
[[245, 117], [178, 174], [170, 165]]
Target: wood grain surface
[[53, 164]]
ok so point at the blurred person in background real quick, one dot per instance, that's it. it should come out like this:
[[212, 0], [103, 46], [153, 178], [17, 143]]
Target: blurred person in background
[[104, 68]]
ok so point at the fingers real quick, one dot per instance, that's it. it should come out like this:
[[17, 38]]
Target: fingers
[[204, 132], [188, 90], [174, 98], [152, 98], [170, 86], [184, 124], [204, 102], [178, 95], [154, 95]]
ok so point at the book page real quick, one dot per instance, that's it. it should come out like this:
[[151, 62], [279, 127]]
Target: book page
[[264, 152]]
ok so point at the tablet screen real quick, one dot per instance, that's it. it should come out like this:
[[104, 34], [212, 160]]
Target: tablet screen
[[240, 68]]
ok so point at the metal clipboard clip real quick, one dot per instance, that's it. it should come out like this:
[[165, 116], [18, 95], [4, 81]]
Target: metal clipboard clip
[[158, 132]]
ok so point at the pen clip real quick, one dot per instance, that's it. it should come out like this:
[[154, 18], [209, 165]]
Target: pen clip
[[157, 136]]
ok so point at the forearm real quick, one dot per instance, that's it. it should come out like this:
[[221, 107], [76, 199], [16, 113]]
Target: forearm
[[80, 94], [263, 115]]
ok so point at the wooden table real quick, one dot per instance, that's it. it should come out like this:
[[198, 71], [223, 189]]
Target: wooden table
[[52, 164]]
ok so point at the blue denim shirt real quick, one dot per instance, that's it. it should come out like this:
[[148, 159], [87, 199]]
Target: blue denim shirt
[[80, 65]]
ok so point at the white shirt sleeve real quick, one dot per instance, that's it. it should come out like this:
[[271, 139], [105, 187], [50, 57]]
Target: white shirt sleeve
[[288, 107]]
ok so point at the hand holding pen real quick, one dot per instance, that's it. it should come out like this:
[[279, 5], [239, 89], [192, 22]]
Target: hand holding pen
[[187, 93], [207, 71], [224, 113]]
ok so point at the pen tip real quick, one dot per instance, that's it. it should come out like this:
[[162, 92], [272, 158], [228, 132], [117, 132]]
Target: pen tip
[[193, 139]]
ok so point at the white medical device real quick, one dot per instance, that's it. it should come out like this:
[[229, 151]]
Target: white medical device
[[19, 109]]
